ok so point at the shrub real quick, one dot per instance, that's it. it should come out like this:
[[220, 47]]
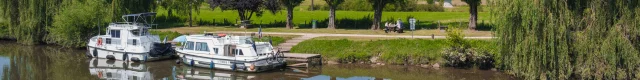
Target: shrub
[[76, 23], [460, 53]]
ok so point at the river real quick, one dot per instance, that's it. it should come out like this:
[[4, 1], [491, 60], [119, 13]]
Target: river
[[50, 62]]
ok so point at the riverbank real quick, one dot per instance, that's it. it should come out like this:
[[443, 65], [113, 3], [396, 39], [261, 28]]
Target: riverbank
[[402, 51], [56, 63]]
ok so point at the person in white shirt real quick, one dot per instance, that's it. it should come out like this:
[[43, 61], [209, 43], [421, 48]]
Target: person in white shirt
[[386, 27], [399, 26]]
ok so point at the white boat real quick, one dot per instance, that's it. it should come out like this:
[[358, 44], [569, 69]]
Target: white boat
[[226, 52], [130, 41], [118, 70]]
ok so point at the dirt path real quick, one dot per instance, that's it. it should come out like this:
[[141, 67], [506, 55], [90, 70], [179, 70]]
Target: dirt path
[[287, 45]]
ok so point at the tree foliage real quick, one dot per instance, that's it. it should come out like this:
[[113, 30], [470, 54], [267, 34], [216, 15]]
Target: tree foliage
[[569, 39], [38, 21], [28, 18], [121, 7], [245, 8], [71, 28], [378, 6], [182, 7]]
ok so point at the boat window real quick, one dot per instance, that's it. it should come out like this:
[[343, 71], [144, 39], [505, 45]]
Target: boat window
[[215, 50], [135, 32], [107, 40], [201, 46], [189, 45], [238, 51], [132, 42], [115, 33], [248, 41]]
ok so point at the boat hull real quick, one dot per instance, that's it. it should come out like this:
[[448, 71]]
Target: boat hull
[[97, 52], [231, 65]]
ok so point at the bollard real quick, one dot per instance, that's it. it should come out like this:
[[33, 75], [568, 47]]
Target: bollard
[[433, 36]]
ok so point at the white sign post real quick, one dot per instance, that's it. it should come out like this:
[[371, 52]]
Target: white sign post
[[412, 23]]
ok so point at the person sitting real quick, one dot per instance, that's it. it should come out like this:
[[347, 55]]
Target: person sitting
[[386, 27], [399, 26]]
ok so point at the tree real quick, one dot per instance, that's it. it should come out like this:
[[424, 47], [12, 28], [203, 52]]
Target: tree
[[246, 8], [378, 6], [183, 7], [27, 19], [121, 7], [71, 28], [290, 4], [332, 12], [568, 39], [473, 11]]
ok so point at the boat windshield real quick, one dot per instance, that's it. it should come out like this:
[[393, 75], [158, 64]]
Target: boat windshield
[[139, 32], [248, 41], [135, 32]]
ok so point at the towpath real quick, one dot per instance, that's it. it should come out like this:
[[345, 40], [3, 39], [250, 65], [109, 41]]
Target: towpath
[[287, 45]]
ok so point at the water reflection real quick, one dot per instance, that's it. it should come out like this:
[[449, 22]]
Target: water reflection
[[19, 62], [115, 69]]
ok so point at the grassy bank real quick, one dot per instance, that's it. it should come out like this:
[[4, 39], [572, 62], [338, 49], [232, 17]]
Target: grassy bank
[[394, 51]]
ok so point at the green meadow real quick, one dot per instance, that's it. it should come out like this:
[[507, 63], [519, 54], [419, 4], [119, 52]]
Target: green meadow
[[344, 19]]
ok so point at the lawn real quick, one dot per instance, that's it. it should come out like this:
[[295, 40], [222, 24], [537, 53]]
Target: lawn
[[277, 39], [344, 19], [393, 51], [425, 32]]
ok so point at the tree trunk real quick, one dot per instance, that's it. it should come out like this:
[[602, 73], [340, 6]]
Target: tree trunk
[[332, 18], [473, 11], [190, 17], [311, 5], [289, 17], [376, 16]]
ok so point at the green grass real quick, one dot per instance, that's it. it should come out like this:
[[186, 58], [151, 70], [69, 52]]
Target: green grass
[[394, 51], [350, 18], [169, 34], [425, 32]]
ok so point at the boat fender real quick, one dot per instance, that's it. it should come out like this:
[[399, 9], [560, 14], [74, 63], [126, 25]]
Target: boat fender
[[252, 67], [135, 59], [233, 67], [192, 62], [211, 65], [111, 57], [95, 52], [124, 57], [145, 58]]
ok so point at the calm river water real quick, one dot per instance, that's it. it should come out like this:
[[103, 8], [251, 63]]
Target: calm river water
[[19, 62]]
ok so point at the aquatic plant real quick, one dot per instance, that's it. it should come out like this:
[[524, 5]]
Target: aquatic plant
[[568, 39]]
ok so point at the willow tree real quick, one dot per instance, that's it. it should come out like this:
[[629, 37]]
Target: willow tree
[[27, 19], [333, 4], [473, 12], [568, 39], [289, 5]]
